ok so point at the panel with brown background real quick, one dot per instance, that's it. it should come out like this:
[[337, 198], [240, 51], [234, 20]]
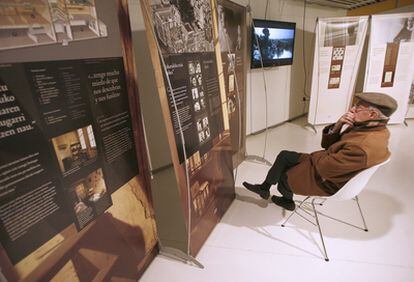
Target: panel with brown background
[[90, 215]]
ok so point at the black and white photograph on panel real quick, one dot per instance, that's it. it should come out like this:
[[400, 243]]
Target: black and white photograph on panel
[[230, 35], [183, 26], [393, 30], [341, 33]]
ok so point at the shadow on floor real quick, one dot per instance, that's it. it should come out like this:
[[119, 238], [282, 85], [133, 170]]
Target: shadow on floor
[[379, 210], [258, 215]]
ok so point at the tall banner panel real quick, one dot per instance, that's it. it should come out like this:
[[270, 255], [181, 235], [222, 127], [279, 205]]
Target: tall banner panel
[[390, 63], [410, 110], [182, 36], [74, 198], [338, 48], [233, 44]]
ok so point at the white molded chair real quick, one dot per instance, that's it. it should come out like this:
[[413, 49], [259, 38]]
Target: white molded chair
[[349, 191]]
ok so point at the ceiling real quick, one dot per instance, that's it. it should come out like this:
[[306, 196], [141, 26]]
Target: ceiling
[[345, 4]]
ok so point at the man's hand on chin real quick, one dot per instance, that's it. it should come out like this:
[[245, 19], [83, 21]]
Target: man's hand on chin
[[347, 118]]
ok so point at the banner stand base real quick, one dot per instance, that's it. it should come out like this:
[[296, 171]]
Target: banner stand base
[[257, 159], [180, 255], [312, 127], [405, 122]]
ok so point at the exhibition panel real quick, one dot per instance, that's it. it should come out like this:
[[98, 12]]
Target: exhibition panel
[[233, 45], [410, 110], [390, 63], [75, 198], [338, 47], [182, 38]]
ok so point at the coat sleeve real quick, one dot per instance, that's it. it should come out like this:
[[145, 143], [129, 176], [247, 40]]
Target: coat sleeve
[[347, 160], [329, 138]]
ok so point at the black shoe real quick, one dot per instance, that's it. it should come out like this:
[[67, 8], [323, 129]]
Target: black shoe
[[284, 203], [258, 189]]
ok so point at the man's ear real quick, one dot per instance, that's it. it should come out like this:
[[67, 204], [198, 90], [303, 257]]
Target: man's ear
[[374, 115]]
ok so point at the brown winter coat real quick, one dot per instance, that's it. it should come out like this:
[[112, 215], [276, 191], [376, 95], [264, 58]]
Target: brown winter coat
[[324, 172]]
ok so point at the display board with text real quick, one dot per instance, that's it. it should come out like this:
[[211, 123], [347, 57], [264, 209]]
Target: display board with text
[[74, 196], [233, 45], [390, 63], [196, 107], [338, 47]]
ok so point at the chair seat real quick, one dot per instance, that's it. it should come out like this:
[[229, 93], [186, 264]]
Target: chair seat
[[355, 185]]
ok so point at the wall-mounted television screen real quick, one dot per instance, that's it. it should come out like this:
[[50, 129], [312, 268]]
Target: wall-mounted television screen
[[272, 43]]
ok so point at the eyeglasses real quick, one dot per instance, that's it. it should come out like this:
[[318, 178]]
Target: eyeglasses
[[361, 108]]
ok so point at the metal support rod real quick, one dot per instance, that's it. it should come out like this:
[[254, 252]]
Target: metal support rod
[[360, 211], [255, 158], [302, 205], [312, 127], [341, 221], [297, 207], [303, 217], [320, 230], [179, 255]]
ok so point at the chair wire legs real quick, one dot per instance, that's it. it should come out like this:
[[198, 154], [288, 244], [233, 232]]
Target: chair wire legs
[[295, 211], [303, 210], [315, 216], [320, 230], [362, 215]]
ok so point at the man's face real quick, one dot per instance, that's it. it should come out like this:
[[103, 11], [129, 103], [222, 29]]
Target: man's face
[[364, 112]]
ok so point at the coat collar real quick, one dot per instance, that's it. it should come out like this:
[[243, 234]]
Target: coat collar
[[363, 128]]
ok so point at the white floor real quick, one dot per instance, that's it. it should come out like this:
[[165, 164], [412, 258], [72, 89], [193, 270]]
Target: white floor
[[250, 245]]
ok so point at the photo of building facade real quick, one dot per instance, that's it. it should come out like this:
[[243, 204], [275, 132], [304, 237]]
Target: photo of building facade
[[183, 26]]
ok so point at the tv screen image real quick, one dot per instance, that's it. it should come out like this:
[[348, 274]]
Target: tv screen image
[[272, 43]]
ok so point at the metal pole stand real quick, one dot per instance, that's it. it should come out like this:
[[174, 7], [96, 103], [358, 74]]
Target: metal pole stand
[[307, 125], [180, 255], [257, 159], [405, 122]]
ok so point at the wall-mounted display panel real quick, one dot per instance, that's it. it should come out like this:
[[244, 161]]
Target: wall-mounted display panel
[[75, 198]]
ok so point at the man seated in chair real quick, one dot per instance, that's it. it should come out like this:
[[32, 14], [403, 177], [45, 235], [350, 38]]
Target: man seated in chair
[[358, 140]]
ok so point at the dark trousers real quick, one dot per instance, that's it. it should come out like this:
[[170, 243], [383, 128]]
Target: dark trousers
[[277, 173]]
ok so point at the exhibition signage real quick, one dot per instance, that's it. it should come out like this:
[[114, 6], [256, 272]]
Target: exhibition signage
[[338, 47], [233, 45], [197, 119], [72, 186], [390, 62]]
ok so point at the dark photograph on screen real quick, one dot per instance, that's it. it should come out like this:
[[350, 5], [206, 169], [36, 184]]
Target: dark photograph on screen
[[272, 43]]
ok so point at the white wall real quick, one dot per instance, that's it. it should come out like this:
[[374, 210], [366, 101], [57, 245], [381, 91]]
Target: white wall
[[285, 84]]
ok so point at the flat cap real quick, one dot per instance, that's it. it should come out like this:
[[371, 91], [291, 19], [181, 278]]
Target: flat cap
[[386, 104]]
